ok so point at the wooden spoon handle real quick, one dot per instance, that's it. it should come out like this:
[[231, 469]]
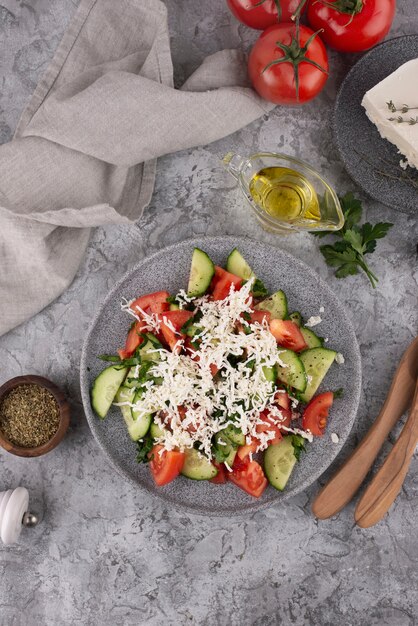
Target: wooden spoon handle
[[346, 482], [385, 486]]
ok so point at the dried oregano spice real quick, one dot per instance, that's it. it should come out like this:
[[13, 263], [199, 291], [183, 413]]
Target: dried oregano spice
[[29, 416]]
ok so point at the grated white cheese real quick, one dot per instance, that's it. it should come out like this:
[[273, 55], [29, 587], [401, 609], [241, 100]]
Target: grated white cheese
[[313, 321], [195, 405], [335, 438], [321, 309], [339, 358]]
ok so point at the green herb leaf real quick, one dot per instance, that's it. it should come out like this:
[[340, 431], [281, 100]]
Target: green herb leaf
[[355, 239], [298, 444], [347, 255], [348, 269], [336, 255], [371, 233], [339, 393], [259, 289], [352, 210], [117, 361], [144, 447]]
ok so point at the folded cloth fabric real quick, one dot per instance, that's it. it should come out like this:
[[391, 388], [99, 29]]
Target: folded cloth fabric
[[84, 153]]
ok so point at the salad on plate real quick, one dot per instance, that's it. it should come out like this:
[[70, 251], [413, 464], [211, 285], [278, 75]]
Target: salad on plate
[[218, 382]]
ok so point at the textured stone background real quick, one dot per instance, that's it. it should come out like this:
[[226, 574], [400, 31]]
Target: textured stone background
[[106, 554]]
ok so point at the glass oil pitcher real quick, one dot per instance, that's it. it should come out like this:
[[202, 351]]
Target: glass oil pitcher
[[286, 194]]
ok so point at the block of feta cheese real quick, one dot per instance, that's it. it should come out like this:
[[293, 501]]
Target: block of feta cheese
[[400, 88]]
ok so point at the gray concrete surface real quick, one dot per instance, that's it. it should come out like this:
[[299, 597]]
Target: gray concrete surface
[[109, 555]]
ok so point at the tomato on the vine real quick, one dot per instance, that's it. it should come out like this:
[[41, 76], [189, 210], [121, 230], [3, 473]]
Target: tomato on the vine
[[288, 64], [260, 14], [352, 25]]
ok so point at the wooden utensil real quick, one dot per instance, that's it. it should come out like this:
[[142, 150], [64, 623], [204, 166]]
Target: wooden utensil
[[385, 486], [343, 486]]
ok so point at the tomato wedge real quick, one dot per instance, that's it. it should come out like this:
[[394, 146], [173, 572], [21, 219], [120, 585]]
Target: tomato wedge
[[315, 414], [260, 316], [249, 477], [167, 466], [220, 477], [244, 452], [282, 399], [269, 426], [155, 302], [286, 420], [287, 335], [133, 340], [176, 320], [222, 282]]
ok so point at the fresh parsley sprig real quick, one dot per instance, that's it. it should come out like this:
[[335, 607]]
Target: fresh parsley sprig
[[348, 255]]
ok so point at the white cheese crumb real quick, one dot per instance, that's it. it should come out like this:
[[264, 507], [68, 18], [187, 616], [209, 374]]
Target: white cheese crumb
[[403, 163], [321, 309], [313, 321], [339, 358], [335, 438], [326, 340]]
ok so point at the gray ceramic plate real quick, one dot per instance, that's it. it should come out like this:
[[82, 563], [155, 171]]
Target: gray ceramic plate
[[369, 159], [169, 269]]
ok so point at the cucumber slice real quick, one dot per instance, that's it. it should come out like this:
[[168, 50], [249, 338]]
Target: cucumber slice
[[136, 428], [226, 447], [140, 423], [236, 264], [276, 304], [130, 374], [147, 350], [279, 461], [105, 388], [296, 318], [317, 362], [125, 394], [235, 435], [270, 373], [155, 430], [290, 370], [197, 466], [311, 340], [201, 273]]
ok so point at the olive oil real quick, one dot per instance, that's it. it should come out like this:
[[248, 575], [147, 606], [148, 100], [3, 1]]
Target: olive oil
[[285, 194]]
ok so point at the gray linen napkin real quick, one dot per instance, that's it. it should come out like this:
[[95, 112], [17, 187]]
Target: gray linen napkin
[[84, 152]]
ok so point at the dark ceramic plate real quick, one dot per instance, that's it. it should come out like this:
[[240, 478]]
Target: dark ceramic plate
[[169, 269], [369, 159]]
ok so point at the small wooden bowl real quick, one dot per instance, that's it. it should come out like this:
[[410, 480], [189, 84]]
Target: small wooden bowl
[[64, 409]]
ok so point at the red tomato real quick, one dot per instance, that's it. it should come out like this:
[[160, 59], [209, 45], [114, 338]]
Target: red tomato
[[316, 413], [286, 420], [243, 452], [133, 340], [222, 281], [220, 477], [282, 400], [249, 477], [270, 426], [260, 316], [167, 466], [156, 302], [352, 27], [296, 80], [176, 320], [287, 335], [260, 15]]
